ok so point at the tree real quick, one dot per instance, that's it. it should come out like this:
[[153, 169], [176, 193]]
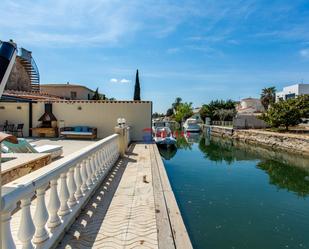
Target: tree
[[169, 112], [268, 96], [183, 111], [211, 110], [225, 114], [283, 113], [137, 88], [177, 102], [302, 104], [96, 95]]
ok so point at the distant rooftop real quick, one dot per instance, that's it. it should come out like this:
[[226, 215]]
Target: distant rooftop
[[65, 85]]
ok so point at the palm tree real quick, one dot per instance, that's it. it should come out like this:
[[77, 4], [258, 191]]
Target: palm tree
[[268, 96], [177, 102]]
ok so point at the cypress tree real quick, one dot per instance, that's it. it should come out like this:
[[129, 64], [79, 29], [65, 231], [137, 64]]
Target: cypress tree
[[96, 95], [137, 88]]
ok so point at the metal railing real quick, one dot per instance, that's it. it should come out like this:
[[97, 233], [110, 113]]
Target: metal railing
[[222, 123], [79, 174], [34, 73]]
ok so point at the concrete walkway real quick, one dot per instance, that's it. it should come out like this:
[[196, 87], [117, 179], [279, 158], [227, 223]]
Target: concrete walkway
[[134, 208]]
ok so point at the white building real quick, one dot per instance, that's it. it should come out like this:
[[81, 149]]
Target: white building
[[68, 91], [250, 106], [291, 92]]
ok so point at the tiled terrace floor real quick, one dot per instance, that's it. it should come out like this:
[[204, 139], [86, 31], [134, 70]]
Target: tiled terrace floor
[[130, 209], [134, 207]]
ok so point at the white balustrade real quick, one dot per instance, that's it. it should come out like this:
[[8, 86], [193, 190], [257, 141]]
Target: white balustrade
[[26, 227], [89, 173], [78, 181], [78, 174], [53, 205], [40, 217], [64, 195], [71, 187], [84, 176]]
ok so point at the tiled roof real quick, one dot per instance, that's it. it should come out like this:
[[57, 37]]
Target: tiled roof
[[32, 95]]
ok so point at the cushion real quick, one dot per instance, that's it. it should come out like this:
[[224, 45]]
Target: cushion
[[76, 133], [78, 129], [85, 129], [4, 149]]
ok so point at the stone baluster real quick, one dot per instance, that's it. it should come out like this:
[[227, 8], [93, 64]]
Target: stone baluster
[[113, 151], [98, 165], [102, 166], [6, 234], [106, 157], [40, 217], [79, 182], [53, 205], [72, 188], [89, 173], [109, 154], [26, 227], [93, 168], [64, 195], [84, 176], [101, 162]]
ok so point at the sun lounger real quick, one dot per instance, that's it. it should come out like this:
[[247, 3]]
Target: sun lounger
[[24, 146]]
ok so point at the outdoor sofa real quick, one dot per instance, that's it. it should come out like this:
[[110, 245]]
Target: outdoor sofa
[[79, 132]]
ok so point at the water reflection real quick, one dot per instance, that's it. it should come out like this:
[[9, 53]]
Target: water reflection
[[167, 152], [285, 176], [184, 141], [285, 170]]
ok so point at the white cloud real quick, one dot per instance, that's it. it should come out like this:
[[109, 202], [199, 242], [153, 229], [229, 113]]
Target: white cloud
[[123, 81], [173, 50], [304, 53]]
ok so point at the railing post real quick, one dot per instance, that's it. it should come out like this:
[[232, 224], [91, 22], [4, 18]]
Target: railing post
[[121, 131]]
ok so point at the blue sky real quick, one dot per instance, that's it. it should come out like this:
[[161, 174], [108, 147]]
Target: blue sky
[[198, 50]]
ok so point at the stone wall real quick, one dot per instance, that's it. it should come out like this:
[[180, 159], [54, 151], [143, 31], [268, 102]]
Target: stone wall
[[297, 143], [23, 170], [19, 79]]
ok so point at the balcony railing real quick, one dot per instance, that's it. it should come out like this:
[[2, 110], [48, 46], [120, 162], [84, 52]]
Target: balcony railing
[[78, 176]]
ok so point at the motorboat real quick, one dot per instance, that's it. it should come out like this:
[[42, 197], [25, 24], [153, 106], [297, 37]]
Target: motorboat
[[164, 136], [191, 125], [173, 125]]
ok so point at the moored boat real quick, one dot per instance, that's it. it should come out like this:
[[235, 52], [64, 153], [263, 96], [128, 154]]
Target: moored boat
[[164, 136], [191, 125]]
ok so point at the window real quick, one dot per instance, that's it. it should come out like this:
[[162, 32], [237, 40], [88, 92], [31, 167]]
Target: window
[[290, 96], [73, 95]]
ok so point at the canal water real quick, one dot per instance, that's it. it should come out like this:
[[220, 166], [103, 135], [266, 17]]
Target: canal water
[[235, 195]]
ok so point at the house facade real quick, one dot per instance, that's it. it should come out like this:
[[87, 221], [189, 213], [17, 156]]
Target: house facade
[[68, 91], [291, 92], [250, 106]]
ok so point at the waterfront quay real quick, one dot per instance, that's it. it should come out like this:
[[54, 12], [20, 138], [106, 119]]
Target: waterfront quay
[[98, 197]]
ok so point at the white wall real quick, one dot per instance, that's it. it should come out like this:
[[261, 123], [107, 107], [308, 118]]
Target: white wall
[[14, 115], [297, 89], [100, 114]]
